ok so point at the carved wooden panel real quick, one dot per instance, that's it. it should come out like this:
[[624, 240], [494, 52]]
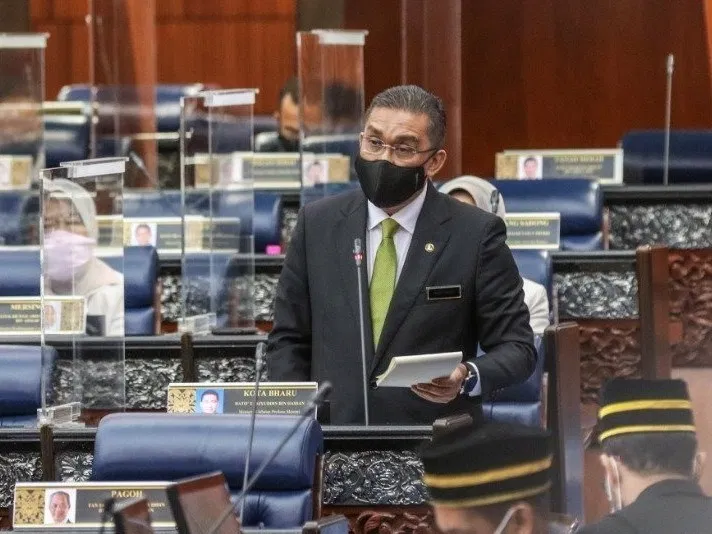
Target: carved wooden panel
[[609, 348], [387, 519], [691, 305]]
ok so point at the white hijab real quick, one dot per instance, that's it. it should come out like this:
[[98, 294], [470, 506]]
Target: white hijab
[[486, 196]]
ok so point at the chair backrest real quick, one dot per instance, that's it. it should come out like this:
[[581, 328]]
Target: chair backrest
[[690, 159], [20, 273], [66, 138], [521, 403], [12, 208], [580, 202], [140, 269], [23, 370], [536, 266], [168, 447]]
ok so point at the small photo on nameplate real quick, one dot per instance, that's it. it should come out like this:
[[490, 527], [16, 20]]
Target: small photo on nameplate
[[15, 173], [21, 316], [533, 230], [603, 165], [167, 233], [80, 505], [273, 398]]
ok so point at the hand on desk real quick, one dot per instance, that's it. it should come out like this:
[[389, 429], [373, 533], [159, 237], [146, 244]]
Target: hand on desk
[[442, 389]]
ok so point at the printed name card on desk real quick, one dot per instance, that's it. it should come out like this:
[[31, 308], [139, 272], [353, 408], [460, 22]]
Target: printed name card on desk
[[73, 505], [23, 315], [604, 165], [533, 230], [15, 172], [273, 398]]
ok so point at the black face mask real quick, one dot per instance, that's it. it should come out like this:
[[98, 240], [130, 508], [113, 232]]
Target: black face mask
[[289, 145], [386, 184]]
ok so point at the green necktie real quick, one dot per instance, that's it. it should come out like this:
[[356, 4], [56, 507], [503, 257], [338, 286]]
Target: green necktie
[[383, 281]]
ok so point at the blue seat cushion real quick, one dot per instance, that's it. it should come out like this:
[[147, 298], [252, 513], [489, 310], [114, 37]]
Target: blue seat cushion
[[523, 413], [277, 509], [20, 273], [18, 421], [140, 322], [66, 138], [12, 204], [534, 265], [139, 266], [22, 370], [174, 446]]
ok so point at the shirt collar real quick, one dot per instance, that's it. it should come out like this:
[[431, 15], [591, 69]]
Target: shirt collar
[[406, 217]]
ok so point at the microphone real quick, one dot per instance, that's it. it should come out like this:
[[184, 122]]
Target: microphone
[[668, 108], [358, 258], [259, 358], [316, 400]]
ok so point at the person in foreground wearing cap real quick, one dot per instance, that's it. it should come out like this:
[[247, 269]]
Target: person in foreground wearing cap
[[481, 193], [71, 266], [489, 479], [651, 461]]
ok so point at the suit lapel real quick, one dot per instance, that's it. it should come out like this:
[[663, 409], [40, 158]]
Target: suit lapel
[[353, 226], [429, 239]]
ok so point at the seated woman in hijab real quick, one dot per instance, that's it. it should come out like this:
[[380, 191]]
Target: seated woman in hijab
[[71, 267], [481, 193]]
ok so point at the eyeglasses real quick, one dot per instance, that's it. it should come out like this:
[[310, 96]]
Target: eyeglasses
[[375, 147]]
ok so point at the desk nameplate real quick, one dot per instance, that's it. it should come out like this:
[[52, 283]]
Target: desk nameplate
[[23, 315], [79, 505], [603, 165], [274, 398], [533, 230]]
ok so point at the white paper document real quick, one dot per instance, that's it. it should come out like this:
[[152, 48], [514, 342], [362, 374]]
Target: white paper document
[[405, 371]]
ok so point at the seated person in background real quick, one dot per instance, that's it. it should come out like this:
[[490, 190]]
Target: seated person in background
[[489, 479], [71, 267], [287, 117], [650, 458], [480, 193]]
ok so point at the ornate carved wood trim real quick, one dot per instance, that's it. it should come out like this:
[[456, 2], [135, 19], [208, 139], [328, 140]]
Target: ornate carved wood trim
[[386, 519]]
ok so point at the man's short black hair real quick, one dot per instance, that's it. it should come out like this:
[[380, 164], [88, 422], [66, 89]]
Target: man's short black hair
[[415, 100], [290, 88], [654, 453], [530, 158], [209, 392]]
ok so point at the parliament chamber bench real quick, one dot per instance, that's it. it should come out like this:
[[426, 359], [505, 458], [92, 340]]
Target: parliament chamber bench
[[369, 473]]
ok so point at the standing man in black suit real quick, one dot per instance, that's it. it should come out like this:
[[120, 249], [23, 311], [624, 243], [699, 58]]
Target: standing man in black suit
[[650, 458], [438, 277]]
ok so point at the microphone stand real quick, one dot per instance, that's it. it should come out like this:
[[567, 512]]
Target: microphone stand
[[317, 399], [259, 355], [668, 109], [358, 258]]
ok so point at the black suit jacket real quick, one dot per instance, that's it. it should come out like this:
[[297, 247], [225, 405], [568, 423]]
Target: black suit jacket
[[668, 507], [316, 332]]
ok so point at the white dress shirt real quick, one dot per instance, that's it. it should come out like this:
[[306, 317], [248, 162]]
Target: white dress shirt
[[406, 219]]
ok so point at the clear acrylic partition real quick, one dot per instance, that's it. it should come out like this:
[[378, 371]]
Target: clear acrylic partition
[[22, 86], [331, 94], [123, 86], [218, 266], [82, 294]]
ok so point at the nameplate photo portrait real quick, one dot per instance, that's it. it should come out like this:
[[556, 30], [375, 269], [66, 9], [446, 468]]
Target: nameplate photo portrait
[[605, 165], [55, 315], [273, 398], [80, 505], [533, 230], [15, 173]]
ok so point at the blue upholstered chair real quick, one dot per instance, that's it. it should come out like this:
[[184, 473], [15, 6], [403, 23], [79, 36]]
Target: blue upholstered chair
[[20, 277], [66, 138], [523, 403], [22, 370], [12, 209], [168, 447], [690, 160], [579, 201], [141, 300]]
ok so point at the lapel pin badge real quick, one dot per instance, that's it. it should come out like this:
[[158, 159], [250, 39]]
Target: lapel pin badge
[[429, 247]]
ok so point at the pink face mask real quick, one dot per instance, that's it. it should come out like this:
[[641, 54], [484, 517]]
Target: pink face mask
[[66, 253]]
